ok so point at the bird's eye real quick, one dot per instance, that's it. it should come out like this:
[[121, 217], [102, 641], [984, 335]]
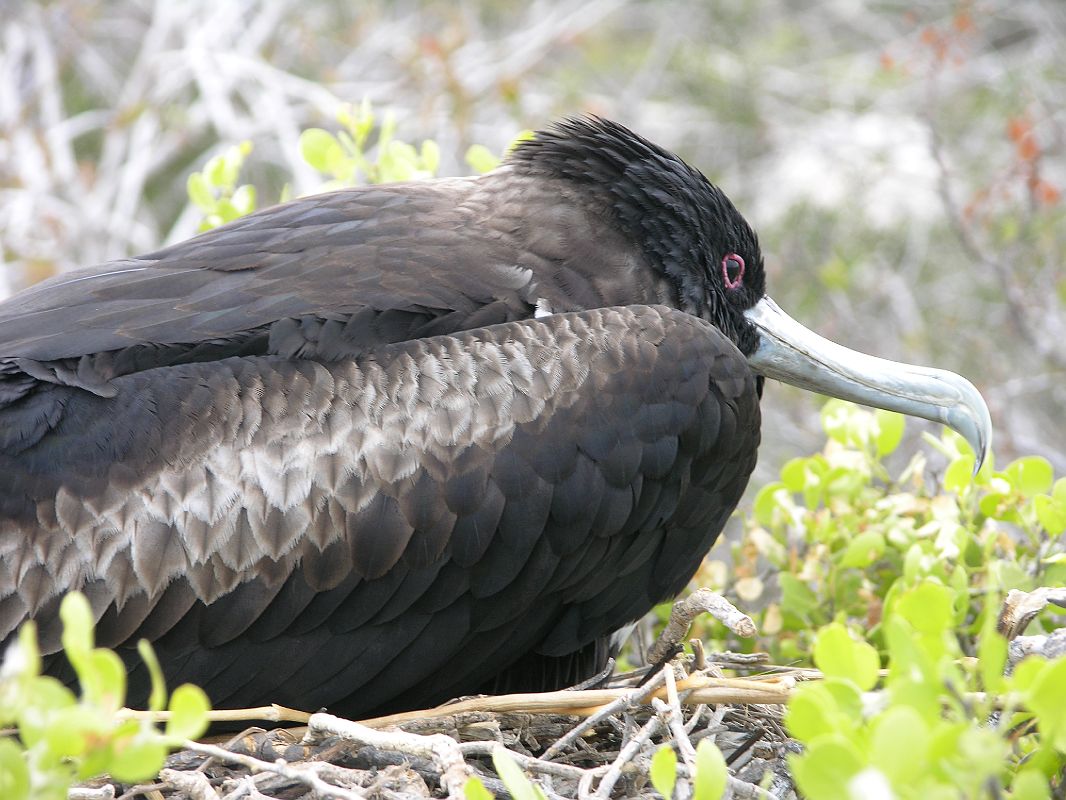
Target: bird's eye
[[732, 270]]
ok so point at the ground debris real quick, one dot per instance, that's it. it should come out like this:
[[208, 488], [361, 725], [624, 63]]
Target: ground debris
[[600, 750]]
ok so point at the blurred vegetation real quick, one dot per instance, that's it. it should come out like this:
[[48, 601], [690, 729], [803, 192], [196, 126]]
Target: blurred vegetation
[[849, 565], [62, 738], [903, 161]]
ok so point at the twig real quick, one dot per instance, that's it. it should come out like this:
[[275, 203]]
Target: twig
[[307, 774], [105, 792], [529, 763], [1050, 646], [1019, 608], [701, 601], [771, 690], [742, 790], [629, 699], [443, 749], [271, 713], [194, 784], [627, 754]]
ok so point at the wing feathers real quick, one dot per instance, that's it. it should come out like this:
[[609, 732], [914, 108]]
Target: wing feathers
[[503, 467]]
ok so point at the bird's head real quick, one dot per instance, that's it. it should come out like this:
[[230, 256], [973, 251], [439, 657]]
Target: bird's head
[[691, 233], [687, 228]]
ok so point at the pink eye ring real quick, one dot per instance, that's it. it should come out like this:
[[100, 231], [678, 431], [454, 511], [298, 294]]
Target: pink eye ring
[[732, 270]]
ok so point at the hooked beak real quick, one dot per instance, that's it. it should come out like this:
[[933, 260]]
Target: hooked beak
[[791, 353]]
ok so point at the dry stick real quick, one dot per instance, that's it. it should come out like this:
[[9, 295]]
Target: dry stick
[[567, 771], [1051, 646], [105, 792], [1019, 608], [628, 753], [671, 713], [271, 713], [770, 690], [631, 698], [194, 784], [307, 775], [742, 790], [701, 601], [443, 749]]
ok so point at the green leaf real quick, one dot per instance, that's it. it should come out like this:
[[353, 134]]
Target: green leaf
[[1047, 699], [321, 150], [794, 474], [810, 712], [712, 775], [29, 652], [14, 774], [838, 655], [890, 427], [991, 655], [215, 172], [1051, 512], [157, 700], [1030, 784], [200, 193], [959, 474], [137, 761], [664, 771], [520, 787], [481, 159], [430, 156], [69, 729], [797, 596], [929, 607], [103, 679], [898, 744], [474, 789], [826, 768], [523, 136], [766, 503], [77, 617], [864, 549], [1031, 475], [244, 199], [188, 713], [362, 122], [841, 421]]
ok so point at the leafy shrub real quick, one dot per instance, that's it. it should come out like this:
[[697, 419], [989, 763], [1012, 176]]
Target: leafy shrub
[[63, 738], [845, 564]]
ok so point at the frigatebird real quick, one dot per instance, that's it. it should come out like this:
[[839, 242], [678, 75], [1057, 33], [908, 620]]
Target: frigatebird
[[375, 448]]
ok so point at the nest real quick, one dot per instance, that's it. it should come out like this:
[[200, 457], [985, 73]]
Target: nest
[[579, 743]]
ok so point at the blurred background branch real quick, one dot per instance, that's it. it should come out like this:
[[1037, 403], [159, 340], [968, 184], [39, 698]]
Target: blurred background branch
[[902, 161]]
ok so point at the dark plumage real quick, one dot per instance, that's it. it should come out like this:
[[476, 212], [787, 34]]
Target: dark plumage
[[375, 448]]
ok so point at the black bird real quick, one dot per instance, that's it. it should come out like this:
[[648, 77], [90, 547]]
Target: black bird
[[375, 448]]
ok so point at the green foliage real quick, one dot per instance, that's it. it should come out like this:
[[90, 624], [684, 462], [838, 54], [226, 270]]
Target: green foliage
[[708, 782], [363, 151], [872, 569], [927, 732], [63, 739], [215, 192], [345, 156], [663, 772], [480, 159], [711, 776], [844, 538], [519, 786]]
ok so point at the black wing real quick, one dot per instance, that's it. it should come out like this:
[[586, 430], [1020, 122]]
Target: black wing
[[385, 530], [422, 251]]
